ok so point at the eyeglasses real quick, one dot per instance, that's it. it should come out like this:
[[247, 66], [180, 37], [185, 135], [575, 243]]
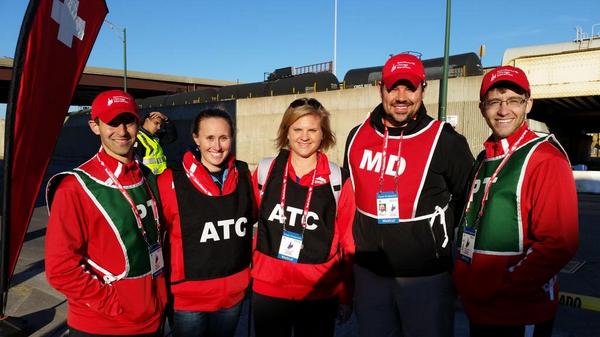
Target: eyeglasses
[[512, 103], [303, 101]]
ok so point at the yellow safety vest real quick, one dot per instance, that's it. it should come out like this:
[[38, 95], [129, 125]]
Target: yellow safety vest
[[155, 158]]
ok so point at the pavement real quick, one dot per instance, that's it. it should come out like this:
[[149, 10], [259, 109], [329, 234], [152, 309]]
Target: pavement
[[43, 309]]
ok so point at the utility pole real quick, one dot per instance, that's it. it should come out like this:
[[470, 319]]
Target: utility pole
[[118, 30], [443, 96], [334, 38]]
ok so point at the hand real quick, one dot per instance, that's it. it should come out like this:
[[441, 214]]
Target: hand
[[157, 114], [344, 312]]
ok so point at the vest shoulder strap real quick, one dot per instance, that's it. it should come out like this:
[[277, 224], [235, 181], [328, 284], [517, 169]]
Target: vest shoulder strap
[[264, 168], [335, 180], [335, 176]]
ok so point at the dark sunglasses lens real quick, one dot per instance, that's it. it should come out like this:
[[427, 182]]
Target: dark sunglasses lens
[[297, 103], [302, 101], [314, 103]]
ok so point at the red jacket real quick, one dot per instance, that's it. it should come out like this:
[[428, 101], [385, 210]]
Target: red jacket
[[76, 230], [205, 295], [515, 290], [296, 281]]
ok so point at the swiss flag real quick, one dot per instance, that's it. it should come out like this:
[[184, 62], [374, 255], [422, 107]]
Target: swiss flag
[[54, 44]]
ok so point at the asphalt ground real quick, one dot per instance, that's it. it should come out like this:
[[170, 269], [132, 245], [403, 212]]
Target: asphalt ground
[[43, 310]]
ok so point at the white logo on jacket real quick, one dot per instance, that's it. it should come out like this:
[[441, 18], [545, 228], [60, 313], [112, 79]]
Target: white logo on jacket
[[210, 232], [373, 161], [295, 217]]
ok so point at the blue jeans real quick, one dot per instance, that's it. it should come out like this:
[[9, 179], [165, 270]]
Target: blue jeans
[[220, 323]]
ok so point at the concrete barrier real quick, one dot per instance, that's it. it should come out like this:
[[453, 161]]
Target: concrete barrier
[[587, 181]]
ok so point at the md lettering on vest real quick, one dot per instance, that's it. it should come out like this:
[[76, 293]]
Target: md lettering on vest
[[295, 216], [373, 161], [210, 231]]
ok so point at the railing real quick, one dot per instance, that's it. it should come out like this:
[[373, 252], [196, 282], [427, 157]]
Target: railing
[[314, 68]]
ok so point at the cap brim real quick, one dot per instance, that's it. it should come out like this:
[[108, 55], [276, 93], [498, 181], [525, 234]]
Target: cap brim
[[391, 81], [110, 116]]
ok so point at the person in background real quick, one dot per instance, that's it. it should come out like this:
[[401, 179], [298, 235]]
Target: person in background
[[417, 168], [155, 132], [520, 225], [209, 210], [302, 260], [103, 242]]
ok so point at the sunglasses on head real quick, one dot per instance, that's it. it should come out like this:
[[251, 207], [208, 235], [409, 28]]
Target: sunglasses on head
[[303, 101]]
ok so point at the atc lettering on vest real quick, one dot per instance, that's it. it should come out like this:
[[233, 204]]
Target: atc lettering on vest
[[373, 161], [295, 216], [210, 232]]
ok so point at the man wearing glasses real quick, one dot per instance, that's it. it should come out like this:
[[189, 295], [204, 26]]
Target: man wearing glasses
[[409, 174], [520, 224]]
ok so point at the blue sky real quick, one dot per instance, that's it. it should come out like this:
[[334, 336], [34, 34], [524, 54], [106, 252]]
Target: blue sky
[[240, 40]]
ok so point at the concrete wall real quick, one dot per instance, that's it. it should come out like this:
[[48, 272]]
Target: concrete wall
[[259, 118]]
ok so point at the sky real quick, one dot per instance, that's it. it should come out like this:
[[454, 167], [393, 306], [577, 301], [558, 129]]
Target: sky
[[241, 40]]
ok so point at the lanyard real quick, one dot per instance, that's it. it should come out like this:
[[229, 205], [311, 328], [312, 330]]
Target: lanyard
[[491, 181], [189, 172], [138, 218], [308, 195], [384, 160]]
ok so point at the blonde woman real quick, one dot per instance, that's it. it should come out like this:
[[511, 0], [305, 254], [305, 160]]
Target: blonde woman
[[301, 262]]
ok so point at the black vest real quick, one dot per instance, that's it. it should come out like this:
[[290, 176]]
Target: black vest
[[216, 231], [318, 235]]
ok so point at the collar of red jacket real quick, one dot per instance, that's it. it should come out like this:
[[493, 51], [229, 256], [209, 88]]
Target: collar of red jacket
[[322, 176], [495, 148], [127, 173], [203, 176]]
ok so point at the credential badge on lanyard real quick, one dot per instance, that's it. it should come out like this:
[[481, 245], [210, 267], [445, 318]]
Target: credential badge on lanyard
[[388, 210], [291, 242]]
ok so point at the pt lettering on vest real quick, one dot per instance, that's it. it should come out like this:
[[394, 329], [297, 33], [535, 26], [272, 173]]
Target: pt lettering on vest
[[477, 184], [210, 231], [373, 161], [295, 216], [142, 208]]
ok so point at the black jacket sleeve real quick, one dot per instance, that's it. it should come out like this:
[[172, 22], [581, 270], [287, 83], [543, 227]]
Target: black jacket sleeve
[[350, 136], [458, 159]]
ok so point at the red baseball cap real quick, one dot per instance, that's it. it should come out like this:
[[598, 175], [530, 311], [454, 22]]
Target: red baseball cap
[[403, 67], [504, 74], [110, 104]]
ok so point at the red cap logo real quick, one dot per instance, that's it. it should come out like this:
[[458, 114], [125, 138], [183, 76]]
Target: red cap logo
[[110, 104], [403, 67]]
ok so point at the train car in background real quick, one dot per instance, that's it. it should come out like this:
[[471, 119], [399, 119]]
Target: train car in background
[[468, 64]]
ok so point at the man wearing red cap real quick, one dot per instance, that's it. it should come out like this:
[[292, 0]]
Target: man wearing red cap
[[417, 168], [103, 247], [520, 224]]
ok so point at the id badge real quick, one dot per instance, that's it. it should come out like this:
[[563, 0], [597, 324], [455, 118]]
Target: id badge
[[467, 245], [157, 263], [387, 208], [291, 244]]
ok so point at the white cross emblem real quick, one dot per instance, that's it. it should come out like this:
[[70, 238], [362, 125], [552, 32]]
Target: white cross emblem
[[69, 24]]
